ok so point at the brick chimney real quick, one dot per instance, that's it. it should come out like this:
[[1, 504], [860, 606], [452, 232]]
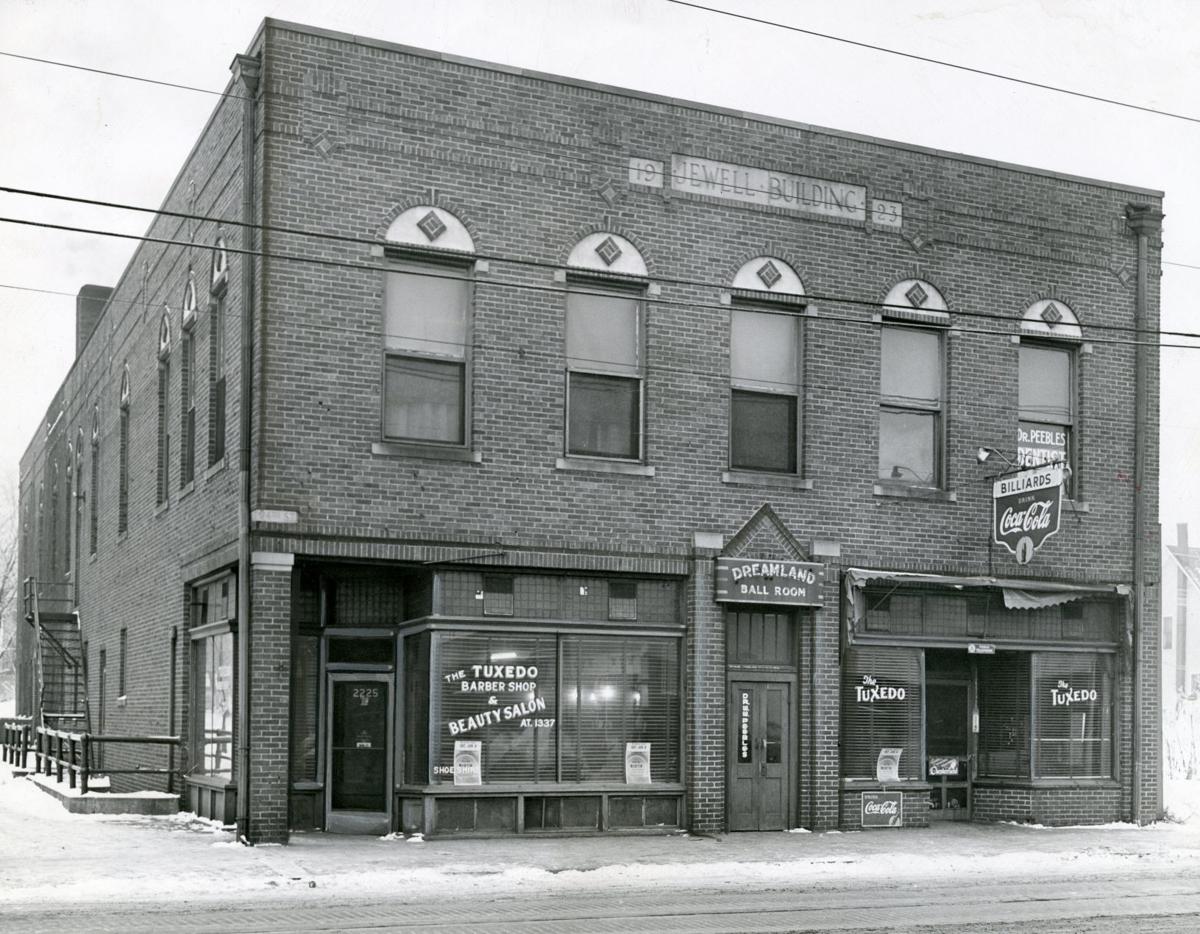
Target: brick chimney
[[89, 304], [1181, 535]]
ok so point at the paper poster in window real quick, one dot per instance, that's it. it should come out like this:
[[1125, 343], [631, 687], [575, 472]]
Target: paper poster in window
[[468, 762], [637, 763], [887, 767]]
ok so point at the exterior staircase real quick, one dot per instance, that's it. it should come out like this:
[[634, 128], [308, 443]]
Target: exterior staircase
[[59, 658]]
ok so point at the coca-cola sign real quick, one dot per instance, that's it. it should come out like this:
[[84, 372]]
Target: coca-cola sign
[[882, 809], [1026, 507]]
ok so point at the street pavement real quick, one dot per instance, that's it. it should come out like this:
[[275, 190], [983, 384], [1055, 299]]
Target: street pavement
[[62, 872]]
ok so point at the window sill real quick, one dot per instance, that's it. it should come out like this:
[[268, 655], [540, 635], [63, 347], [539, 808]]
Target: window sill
[[1077, 505], [754, 478], [214, 468], [122, 700], [904, 491], [1046, 783], [186, 489], [871, 784], [427, 451], [597, 465], [210, 781], [162, 507]]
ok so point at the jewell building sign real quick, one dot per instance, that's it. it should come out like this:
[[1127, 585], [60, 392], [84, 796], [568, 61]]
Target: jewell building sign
[[693, 175]]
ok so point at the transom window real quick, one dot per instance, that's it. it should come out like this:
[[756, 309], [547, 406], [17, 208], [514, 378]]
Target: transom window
[[426, 353], [764, 378], [604, 374]]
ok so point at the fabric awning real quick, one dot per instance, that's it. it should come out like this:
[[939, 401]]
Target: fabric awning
[[1018, 594]]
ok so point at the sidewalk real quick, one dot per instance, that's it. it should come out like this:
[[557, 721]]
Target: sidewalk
[[47, 853]]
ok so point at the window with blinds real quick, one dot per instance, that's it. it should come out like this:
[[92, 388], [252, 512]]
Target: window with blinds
[[416, 708], [1073, 707], [1004, 716], [618, 690], [881, 707], [498, 689], [304, 714]]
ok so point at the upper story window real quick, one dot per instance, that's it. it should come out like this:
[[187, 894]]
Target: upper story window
[[187, 387], [219, 276], [94, 479], [1046, 387], [605, 338], [123, 456], [764, 369], [911, 386], [427, 330], [216, 381], [164, 381]]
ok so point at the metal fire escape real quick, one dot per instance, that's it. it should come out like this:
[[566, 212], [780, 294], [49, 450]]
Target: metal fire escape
[[60, 665]]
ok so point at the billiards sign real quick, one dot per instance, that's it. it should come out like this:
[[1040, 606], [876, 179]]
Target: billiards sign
[[1026, 507], [784, 583]]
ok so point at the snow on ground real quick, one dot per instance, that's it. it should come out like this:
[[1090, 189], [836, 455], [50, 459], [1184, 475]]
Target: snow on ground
[[49, 854]]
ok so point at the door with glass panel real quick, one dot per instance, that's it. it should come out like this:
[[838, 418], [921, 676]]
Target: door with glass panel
[[948, 749], [760, 755], [359, 765]]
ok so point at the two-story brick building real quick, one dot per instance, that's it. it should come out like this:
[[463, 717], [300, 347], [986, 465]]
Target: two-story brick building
[[474, 450]]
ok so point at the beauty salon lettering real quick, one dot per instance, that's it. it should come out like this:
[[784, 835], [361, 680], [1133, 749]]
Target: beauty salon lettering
[[787, 583], [493, 681]]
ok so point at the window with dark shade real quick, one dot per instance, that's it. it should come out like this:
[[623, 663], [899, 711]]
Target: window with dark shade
[[764, 374], [1004, 749]]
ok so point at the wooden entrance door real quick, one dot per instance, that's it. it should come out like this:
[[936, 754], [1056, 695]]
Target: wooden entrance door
[[359, 780], [760, 755], [948, 748]]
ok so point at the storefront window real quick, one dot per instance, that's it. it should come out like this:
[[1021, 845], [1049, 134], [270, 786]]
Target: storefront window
[[881, 708], [213, 748], [214, 607], [1073, 706], [617, 691], [503, 710], [494, 708], [304, 715]]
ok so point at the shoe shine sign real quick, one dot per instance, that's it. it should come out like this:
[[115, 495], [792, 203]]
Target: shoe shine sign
[[1026, 507], [784, 583]]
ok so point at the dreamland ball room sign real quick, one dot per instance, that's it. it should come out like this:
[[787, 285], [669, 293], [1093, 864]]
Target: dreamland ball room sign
[[782, 583]]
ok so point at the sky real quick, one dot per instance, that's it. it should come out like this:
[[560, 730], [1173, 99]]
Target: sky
[[95, 136]]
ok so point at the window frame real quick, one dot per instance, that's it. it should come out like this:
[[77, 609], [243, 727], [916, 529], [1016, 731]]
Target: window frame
[[607, 287], [187, 403], [908, 406], [206, 626], [1071, 351], [434, 266], [218, 394], [743, 385], [123, 456]]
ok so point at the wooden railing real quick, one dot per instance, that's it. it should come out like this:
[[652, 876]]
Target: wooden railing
[[63, 753], [16, 739]]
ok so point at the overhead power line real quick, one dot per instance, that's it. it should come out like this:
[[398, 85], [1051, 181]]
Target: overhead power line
[[121, 74], [369, 242], [560, 288], [937, 61]]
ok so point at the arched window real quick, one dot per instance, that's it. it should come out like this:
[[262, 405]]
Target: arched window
[[605, 330], [912, 392], [94, 491], [164, 382], [1050, 336], [427, 329], [764, 366], [123, 456], [219, 276], [187, 386]]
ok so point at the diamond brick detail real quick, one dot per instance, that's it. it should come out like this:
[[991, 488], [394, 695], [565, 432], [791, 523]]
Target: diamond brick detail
[[431, 225], [608, 251], [769, 273], [917, 295], [1051, 315]]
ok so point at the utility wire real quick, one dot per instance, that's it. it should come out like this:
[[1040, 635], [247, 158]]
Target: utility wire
[[937, 61], [121, 74], [562, 288], [364, 241]]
